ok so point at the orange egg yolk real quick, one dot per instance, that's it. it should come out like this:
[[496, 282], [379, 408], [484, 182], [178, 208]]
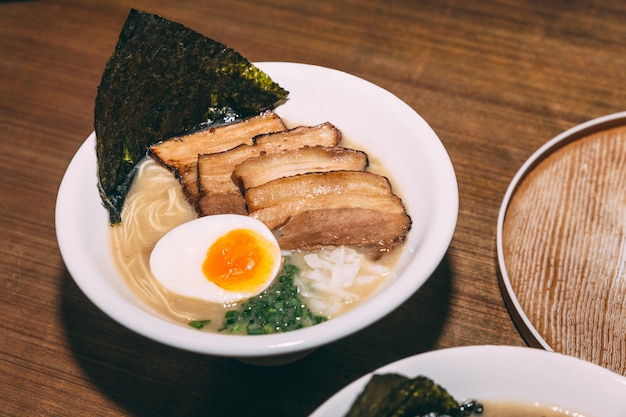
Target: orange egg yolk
[[241, 260]]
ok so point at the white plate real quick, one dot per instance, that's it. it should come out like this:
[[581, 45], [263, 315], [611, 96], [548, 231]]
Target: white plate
[[370, 117], [505, 373]]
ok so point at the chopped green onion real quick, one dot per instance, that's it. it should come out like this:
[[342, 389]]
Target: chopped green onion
[[198, 324], [277, 309]]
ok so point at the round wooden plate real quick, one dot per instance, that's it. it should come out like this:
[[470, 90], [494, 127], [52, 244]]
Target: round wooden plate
[[561, 243]]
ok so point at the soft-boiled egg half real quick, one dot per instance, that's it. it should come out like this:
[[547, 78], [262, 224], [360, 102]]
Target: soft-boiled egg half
[[221, 258]]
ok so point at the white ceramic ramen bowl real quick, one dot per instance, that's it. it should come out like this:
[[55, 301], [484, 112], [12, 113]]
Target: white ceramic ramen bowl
[[373, 120], [505, 374]]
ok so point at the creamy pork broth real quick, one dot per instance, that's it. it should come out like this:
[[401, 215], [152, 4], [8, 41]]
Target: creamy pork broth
[[155, 205], [512, 409]]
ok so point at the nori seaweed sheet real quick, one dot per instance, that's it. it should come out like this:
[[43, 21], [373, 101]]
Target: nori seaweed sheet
[[163, 80], [394, 395]]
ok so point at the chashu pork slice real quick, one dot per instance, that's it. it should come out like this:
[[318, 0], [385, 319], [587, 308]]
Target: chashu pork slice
[[218, 194], [377, 230], [180, 154], [270, 166], [312, 210], [280, 201], [324, 134]]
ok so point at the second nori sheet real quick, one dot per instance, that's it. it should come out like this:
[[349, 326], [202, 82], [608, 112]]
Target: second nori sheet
[[394, 395], [162, 80]]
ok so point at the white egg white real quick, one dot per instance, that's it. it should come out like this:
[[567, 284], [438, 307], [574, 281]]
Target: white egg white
[[176, 260]]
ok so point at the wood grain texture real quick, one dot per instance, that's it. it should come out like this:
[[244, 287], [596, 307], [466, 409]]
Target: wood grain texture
[[495, 79], [564, 240]]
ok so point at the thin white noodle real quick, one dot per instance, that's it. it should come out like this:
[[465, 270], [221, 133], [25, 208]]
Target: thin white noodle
[[144, 221]]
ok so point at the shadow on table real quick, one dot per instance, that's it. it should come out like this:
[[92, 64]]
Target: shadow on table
[[146, 378]]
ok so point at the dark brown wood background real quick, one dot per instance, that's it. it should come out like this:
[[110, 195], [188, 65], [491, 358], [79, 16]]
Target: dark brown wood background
[[495, 79]]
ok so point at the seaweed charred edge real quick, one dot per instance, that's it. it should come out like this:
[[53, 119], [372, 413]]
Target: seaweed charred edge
[[162, 80]]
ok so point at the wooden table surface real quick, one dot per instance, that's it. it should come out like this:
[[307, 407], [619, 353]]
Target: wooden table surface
[[495, 80]]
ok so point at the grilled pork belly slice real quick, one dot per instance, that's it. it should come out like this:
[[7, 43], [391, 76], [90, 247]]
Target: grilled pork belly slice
[[227, 202], [275, 202], [180, 154], [316, 184], [378, 231], [218, 194], [325, 134], [214, 170], [270, 166]]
